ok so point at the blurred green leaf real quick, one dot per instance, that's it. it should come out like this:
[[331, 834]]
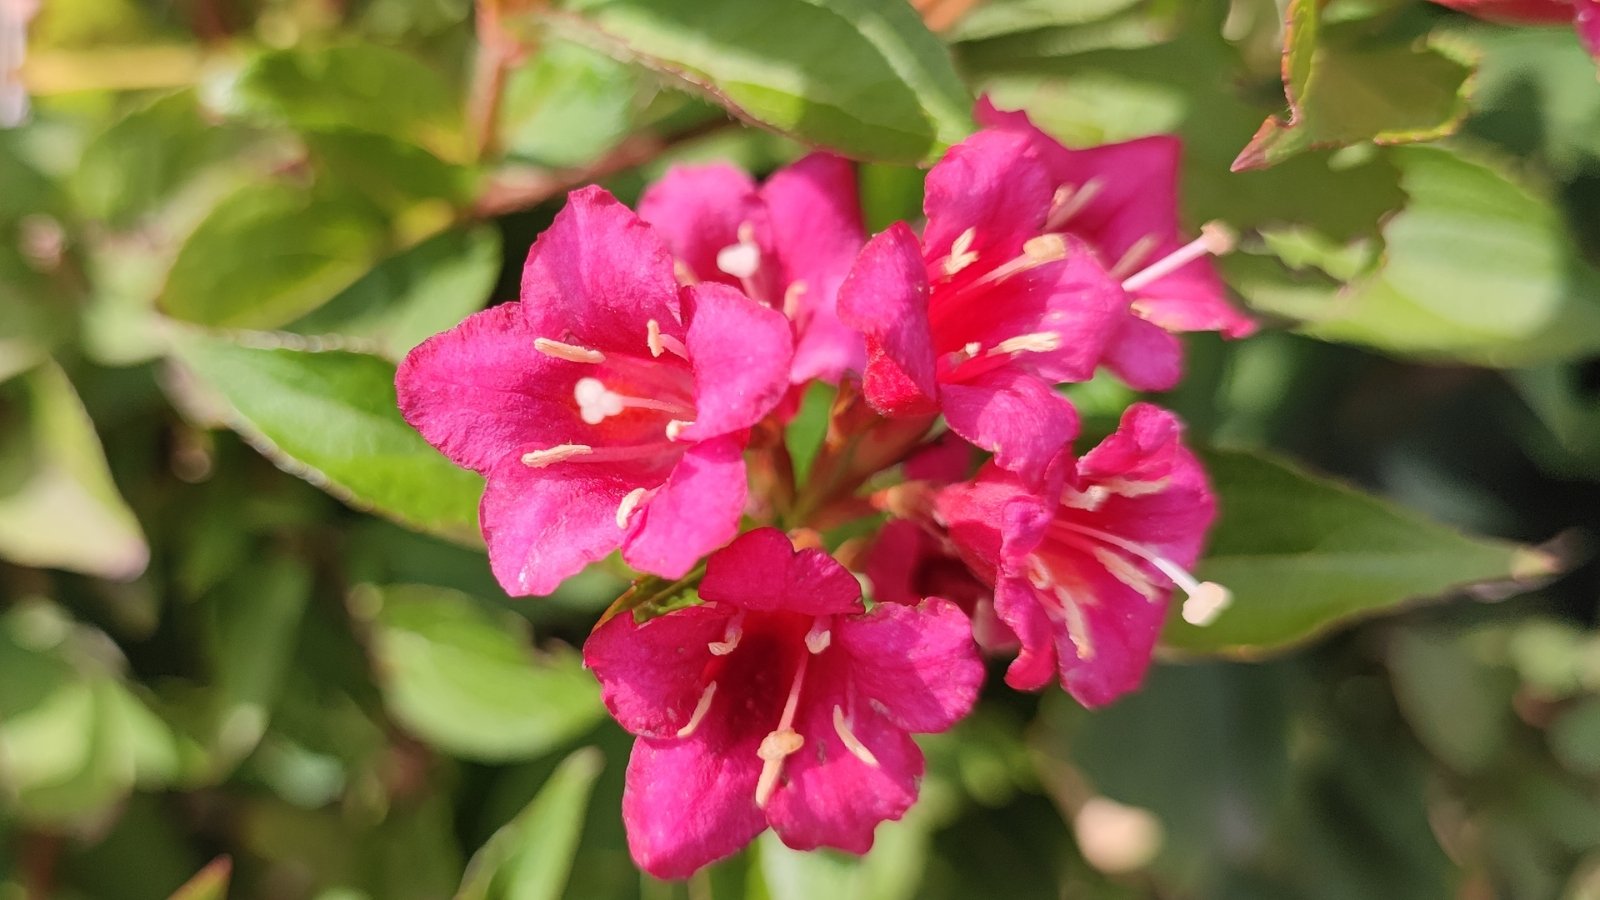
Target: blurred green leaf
[[210, 883], [1302, 554], [1011, 16], [330, 418], [863, 77], [568, 104], [391, 172], [804, 434], [1346, 92], [466, 680], [891, 870], [268, 253], [141, 160], [1459, 705], [414, 294], [529, 858], [1476, 268], [61, 509]]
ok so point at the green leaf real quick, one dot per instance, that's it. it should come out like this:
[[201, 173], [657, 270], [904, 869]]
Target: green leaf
[[567, 105], [1460, 706], [804, 434], [464, 679], [414, 294], [58, 505], [1302, 554], [1011, 16], [267, 254], [391, 172], [137, 163], [1477, 268], [1349, 91], [330, 418], [210, 883], [892, 870], [863, 77], [530, 857]]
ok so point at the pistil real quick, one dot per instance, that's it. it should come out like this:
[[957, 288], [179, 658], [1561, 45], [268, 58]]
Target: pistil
[[1204, 600], [783, 741], [1215, 239]]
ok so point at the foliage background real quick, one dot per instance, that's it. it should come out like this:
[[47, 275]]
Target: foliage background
[[222, 222]]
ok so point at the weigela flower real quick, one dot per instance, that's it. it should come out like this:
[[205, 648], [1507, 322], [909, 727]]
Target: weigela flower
[[1584, 15], [990, 308], [787, 243], [1083, 573], [1122, 200], [609, 408], [778, 701]]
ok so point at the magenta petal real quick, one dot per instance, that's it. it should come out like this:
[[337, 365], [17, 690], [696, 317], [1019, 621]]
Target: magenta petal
[[1145, 355], [1015, 416], [480, 391], [651, 675], [992, 183], [829, 796], [1587, 20], [1016, 605], [886, 298], [1120, 630], [698, 210], [918, 663], [691, 802], [763, 571], [740, 352], [543, 525], [597, 275], [694, 513]]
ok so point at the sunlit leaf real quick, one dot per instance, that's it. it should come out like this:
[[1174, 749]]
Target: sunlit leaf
[[529, 858]]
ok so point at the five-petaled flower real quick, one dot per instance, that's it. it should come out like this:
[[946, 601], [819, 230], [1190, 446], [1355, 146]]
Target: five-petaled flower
[[778, 701], [787, 243], [1082, 574], [609, 408]]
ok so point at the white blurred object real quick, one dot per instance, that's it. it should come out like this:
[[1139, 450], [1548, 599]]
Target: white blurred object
[[1116, 838], [14, 18]]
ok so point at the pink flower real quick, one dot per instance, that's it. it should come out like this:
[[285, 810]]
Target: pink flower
[[907, 563], [788, 243], [777, 702], [1122, 199], [987, 311], [1083, 577], [1584, 14], [608, 409]]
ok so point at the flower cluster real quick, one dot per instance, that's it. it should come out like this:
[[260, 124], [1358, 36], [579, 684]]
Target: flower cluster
[[642, 385]]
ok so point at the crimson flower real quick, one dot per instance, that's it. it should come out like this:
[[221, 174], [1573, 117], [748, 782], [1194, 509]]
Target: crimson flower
[[787, 243], [1122, 200], [778, 702], [1083, 574], [609, 408]]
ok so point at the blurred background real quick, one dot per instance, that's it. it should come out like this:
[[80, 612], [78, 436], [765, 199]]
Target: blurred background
[[250, 648]]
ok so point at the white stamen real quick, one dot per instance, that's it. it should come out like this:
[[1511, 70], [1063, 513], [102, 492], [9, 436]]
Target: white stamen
[[663, 343], [1069, 200], [1077, 625], [1215, 239], [1128, 487], [630, 503], [1134, 257], [1212, 597], [675, 428], [699, 711], [819, 637], [595, 400], [1206, 603], [851, 743], [538, 459], [730, 637], [792, 296], [569, 352], [1038, 342], [781, 741], [961, 254], [1127, 573]]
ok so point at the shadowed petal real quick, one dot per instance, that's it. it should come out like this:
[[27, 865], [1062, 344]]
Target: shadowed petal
[[698, 211], [886, 298], [694, 513], [652, 675], [1017, 417], [543, 525], [919, 663], [740, 351]]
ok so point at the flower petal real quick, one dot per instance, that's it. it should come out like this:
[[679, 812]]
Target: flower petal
[[696, 511], [698, 210], [763, 571], [597, 275], [691, 802], [1587, 20], [740, 351], [886, 298], [479, 391], [1016, 604], [1014, 415], [918, 663], [1145, 355], [992, 183], [652, 676], [543, 525]]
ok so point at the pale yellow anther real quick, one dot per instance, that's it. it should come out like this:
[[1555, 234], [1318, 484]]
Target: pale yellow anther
[[1045, 248], [1037, 342], [595, 401], [629, 504], [793, 295], [675, 428], [568, 352], [961, 253], [1205, 603], [857, 749], [700, 710], [775, 748], [660, 342], [1077, 625], [538, 459], [1127, 573], [1134, 257], [819, 637], [730, 636], [684, 274], [1068, 201]]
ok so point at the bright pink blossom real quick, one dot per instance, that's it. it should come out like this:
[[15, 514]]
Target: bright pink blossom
[[907, 563], [1083, 577], [1122, 200], [777, 702], [787, 243], [1584, 14], [990, 308], [608, 409]]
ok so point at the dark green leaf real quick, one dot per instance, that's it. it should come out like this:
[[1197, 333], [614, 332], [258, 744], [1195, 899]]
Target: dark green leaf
[[529, 858], [863, 77], [330, 417]]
